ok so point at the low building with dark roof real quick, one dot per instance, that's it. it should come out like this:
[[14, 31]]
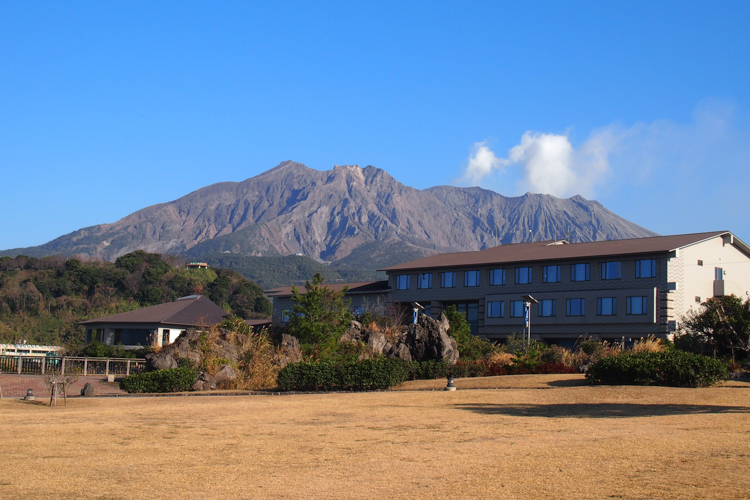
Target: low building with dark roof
[[156, 325], [606, 289], [366, 296]]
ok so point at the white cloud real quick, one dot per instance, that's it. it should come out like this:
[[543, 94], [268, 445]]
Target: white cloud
[[482, 161], [549, 164]]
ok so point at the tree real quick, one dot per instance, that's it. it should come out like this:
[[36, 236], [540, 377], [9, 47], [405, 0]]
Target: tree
[[320, 315], [470, 347], [721, 327]]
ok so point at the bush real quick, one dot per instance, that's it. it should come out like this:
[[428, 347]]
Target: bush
[[169, 380], [369, 374], [670, 368]]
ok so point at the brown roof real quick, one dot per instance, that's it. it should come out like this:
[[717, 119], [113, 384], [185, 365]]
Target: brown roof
[[546, 250], [364, 287], [193, 310]]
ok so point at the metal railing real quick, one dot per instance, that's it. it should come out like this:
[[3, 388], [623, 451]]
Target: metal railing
[[39, 365]]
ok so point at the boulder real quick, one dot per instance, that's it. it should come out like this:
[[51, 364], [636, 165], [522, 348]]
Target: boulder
[[376, 341], [401, 351], [353, 333], [88, 389], [429, 340], [227, 350], [289, 351], [160, 360], [204, 382], [226, 372]]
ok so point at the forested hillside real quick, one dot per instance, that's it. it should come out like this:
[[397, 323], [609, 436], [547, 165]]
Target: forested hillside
[[272, 272], [41, 300]]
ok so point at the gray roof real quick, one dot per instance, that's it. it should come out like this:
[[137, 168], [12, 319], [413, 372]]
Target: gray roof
[[362, 287], [194, 310], [548, 251]]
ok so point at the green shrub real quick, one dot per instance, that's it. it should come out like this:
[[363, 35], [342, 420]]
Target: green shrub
[[671, 368], [169, 380], [470, 346], [368, 374]]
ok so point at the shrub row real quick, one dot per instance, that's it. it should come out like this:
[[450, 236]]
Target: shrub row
[[382, 373], [169, 380], [369, 374], [671, 368]]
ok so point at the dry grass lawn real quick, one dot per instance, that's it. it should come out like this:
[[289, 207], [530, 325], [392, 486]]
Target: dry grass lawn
[[533, 437]]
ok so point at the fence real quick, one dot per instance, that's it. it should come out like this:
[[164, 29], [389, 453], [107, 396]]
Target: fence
[[39, 365]]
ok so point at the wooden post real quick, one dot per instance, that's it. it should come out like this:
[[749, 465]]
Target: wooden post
[[44, 362], [20, 364], [106, 368], [127, 369], [62, 369], [85, 365]]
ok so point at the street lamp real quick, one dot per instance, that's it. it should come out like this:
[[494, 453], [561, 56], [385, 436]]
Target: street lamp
[[527, 301]]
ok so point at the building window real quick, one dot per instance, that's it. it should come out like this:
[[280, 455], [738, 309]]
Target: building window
[[497, 276], [402, 282], [547, 307], [447, 280], [164, 337], [550, 274], [523, 275], [471, 278], [610, 270], [645, 268], [579, 272], [635, 305], [424, 280], [358, 311], [516, 308], [606, 306], [698, 299], [718, 273], [285, 315], [495, 309], [576, 307], [700, 262]]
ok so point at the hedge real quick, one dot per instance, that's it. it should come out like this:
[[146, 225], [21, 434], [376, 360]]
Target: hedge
[[382, 373], [369, 374], [169, 380], [671, 368]]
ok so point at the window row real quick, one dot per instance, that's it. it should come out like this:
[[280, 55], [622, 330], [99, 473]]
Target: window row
[[524, 275], [605, 306]]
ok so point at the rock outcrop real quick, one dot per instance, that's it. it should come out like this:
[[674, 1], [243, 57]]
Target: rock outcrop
[[289, 351], [427, 340]]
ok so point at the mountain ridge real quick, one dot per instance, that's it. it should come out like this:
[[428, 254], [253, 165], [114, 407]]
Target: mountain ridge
[[327, 215]]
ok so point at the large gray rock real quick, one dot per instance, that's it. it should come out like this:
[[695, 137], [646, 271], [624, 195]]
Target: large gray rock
[[88, 389], [205, 382], [289, 351], [354, 333], [429, 340], [160, 360], [376, 341], [226, 372]]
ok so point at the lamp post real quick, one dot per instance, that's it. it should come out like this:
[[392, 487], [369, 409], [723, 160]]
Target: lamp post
[[527, 301]]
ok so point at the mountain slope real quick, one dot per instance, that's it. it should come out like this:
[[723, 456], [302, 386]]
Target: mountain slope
[[293, 209]]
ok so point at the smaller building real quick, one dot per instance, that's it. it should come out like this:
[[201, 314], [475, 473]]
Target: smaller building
[[156, 325], [196, 265], [369, 296], [29, 350]]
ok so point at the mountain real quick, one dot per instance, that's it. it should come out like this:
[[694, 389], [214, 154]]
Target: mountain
[[356, 216]]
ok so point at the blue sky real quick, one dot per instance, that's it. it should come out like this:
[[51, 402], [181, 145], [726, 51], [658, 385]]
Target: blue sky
[[108, 107]]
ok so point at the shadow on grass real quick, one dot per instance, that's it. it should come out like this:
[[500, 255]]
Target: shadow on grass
[[576, 382], [599, 410]]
